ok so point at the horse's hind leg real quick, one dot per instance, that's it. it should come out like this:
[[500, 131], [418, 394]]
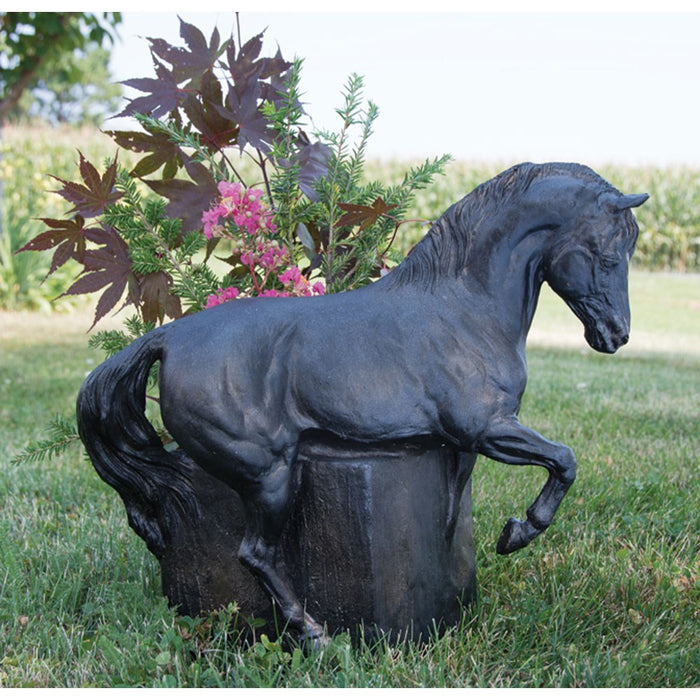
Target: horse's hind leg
[[458, 476], [267, 507], [508, 441]]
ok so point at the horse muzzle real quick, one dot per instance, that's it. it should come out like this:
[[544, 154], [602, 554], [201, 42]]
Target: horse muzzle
[[603, 331], [606, 338]]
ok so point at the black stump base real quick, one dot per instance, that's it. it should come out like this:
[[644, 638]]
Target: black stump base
[[366, 546]]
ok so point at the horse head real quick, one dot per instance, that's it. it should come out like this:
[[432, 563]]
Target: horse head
[[588, 268]]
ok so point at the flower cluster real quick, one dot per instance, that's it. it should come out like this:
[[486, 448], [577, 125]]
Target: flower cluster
[[243, 216], [246, 208], [221, 296], [267, 253], [297, 285]]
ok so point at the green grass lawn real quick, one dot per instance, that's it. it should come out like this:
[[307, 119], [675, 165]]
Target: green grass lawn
[[607, 597]]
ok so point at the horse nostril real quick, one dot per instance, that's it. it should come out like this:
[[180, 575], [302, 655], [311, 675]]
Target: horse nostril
[[624, 338]]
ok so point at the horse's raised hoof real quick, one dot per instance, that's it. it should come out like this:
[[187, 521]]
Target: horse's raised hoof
[[314, 642], [314, 639], [515, 535]]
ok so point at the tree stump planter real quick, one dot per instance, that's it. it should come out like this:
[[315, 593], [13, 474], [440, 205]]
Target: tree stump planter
[[365, 545]]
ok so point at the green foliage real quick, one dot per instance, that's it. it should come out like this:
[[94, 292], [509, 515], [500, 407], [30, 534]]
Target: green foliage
[[79, 91], [607, 598], [48, 47], [112, 341], [669, 227], [347, 203], [61, 433], [27, 156], [150, 249]]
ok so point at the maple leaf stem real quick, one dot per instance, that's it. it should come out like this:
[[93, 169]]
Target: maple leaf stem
[[231, 167], [397, 223], [238, 29], [333, 204]]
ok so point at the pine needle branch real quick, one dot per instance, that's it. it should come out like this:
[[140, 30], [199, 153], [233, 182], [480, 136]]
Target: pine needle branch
[[62, 433]]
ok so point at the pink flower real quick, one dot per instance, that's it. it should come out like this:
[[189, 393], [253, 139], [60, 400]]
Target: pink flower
[[247, 209], [221, 296], [244, 217], [267, 259], [230, 189], [291, 275], [298, 285], [210, 218]]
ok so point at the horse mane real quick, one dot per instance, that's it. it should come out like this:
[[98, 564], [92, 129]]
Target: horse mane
[[444, 250]]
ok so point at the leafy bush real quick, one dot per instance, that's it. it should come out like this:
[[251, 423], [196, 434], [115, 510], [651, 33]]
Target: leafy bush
[[210, 103], [669, 221]]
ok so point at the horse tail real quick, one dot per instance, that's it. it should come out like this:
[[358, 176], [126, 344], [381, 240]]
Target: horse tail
[[124, 447]]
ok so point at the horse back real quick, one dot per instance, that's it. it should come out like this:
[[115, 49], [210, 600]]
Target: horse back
[[362, 365]]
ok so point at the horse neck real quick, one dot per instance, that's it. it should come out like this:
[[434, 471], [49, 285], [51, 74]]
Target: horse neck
[[505, 266]]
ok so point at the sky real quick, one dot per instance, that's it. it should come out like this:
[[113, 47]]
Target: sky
[[593, 87]]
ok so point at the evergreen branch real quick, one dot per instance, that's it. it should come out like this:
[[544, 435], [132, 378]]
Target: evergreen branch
[[349, 114], [358, 159], [146, 220], [62, 433]]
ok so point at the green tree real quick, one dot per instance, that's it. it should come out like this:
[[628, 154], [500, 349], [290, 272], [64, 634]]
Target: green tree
[[80, 91], [34, 47]]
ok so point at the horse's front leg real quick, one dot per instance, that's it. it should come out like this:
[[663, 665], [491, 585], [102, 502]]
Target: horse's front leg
[[506, 440]]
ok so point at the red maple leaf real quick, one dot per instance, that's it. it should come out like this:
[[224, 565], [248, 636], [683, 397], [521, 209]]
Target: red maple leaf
[[163, 94], [156, 298], [166, 92], [190, 63], [363, 215], [188, 198], [68, 236], [158, 145], [205, 112], [108, 268], [91, 198], [248, 91]]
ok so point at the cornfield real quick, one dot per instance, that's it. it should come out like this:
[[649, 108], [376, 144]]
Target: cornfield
[[669, 222]]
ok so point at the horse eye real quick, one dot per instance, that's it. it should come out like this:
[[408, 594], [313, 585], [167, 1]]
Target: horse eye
[[610, 260]]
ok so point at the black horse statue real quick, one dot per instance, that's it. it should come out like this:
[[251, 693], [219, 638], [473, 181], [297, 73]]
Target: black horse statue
[[433, 352]]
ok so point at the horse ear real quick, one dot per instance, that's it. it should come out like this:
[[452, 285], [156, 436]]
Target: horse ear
[[629, 201], [623, 201]]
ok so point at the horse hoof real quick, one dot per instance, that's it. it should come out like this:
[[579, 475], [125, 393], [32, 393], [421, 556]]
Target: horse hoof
[[314, 639], [513, 537]]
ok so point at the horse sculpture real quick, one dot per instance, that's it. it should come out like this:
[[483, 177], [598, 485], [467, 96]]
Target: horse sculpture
[[433, 352]]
